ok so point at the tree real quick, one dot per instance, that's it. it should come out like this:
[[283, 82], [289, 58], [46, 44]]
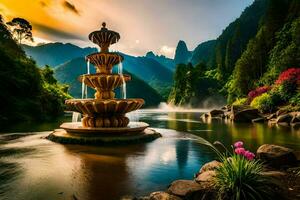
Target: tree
[[21, 30]]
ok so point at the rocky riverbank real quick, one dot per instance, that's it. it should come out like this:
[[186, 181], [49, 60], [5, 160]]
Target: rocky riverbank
[[247, 114], [281, 165]]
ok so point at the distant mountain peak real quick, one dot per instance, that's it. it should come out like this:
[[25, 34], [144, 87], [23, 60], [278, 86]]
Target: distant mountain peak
[[182, 54]]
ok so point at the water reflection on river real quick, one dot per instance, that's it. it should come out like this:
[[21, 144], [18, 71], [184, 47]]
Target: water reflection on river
[[34, 168]]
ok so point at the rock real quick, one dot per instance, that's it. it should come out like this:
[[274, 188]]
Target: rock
[[204, 117], [191, 190], [295, 119], [244, 114], [274, 174], [162, 196], [258, 120], [295, 125], [285, 118], [271, 116], [216, 113], [280, 112], [183, 187], [276, 156], [276, 177], [206, 176], [210, 166]]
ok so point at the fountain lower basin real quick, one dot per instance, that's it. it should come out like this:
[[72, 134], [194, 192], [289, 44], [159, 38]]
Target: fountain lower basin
[[75, 133], [131, 128]]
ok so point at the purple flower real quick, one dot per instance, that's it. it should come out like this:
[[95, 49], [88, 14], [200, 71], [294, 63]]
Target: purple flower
[[238, 144], [249, 155], [239, 151]]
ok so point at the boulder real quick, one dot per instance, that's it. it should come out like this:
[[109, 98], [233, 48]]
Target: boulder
[[258, 120], [295, 125], [206, 176], [244, 114], [295, 119], [284, 118], [276, 156], [210, 166], [216, 113], [274, 174], [271, 116], [191, 190], [183, 187], [280, 112], [163, 196]]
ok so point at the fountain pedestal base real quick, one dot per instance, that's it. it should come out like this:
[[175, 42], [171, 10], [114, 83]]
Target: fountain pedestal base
[[64, 137]]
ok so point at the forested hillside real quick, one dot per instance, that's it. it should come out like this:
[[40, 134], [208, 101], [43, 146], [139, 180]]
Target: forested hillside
[[251, 52], [27, 92]]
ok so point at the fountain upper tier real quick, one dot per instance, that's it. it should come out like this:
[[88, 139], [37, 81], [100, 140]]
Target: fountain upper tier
[[104, 37]]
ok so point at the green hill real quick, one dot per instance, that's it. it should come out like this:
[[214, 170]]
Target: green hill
[[27, 92]]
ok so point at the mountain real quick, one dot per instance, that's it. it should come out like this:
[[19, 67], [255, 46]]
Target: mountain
[[155, 71], [182, 54], [53, 54], [251, 52], [136, 88], [163, 60], [234, 39], [203, 53], [151, 71]]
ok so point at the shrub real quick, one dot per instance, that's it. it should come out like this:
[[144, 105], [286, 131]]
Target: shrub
[[290, 75], [286, 90], [257, 92], [295, 100], [264, 103], [240, 101], [240, 176]]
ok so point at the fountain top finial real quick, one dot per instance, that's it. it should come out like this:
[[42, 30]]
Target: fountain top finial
[[104, 37]]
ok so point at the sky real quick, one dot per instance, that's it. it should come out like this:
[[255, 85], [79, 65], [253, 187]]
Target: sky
[[144, 25]]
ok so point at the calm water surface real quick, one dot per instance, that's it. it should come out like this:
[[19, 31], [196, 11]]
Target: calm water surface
[[32, 167]]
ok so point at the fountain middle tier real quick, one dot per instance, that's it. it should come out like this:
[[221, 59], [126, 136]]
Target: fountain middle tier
[[104, 61]]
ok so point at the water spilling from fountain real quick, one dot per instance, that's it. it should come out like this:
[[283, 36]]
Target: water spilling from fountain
[[104, 117]]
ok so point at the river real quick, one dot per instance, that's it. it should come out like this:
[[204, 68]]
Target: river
[[33, 168]]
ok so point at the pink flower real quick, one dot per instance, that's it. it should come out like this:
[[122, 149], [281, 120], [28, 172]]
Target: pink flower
[[239, 151], [249, 155], [238, 144]]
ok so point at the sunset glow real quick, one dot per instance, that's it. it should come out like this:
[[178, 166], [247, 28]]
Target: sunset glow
[[143, 25]]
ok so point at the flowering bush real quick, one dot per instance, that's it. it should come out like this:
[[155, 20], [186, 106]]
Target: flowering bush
[[290, 75], [240, 101], [265, 102], [257, 92], [240, 150], [240, 175]]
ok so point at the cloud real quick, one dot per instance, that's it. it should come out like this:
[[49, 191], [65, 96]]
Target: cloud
[[71, 7], [167, 51], [56, 33]]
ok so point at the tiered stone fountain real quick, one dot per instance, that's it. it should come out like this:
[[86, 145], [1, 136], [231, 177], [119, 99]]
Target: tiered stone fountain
[[104, 119]]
